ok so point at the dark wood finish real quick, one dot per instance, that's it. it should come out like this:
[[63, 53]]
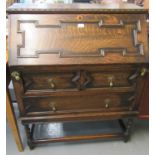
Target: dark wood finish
[[57, 136], [73, 65], [57, 79], [69, 44], [144, 102], [75, 138], [126, 128], [28, 132], [98, 102], [80, 117]]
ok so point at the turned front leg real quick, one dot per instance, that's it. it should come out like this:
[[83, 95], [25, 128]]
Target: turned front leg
[[128, 130], [29, 134]]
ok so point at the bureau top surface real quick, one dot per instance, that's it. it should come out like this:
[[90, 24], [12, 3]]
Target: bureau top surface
[[74, 7]]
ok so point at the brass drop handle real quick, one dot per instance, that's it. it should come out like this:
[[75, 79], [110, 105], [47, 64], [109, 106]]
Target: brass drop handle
[[144, 71], [54, 108], [16, 75], [111, 84], [107, 105], [52, 84], [52, 105]]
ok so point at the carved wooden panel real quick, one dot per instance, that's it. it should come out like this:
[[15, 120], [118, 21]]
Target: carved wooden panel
[[79, 36], [65, 27]]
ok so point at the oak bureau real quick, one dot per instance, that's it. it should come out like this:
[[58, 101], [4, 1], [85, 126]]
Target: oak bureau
[[77, 62]]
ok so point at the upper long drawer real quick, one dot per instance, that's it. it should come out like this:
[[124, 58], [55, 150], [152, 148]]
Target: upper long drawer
[[77, 39]]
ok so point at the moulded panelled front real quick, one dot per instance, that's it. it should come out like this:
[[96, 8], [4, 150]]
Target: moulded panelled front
[[77, 39], [80, 103]]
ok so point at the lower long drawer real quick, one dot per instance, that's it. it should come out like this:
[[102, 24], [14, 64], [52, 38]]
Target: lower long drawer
[[82, 103]]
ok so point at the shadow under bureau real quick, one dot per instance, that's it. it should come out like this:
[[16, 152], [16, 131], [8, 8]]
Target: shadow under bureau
[[72, 63]]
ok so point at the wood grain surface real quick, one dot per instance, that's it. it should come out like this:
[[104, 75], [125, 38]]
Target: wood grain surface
[[77, 39], [78, 64]]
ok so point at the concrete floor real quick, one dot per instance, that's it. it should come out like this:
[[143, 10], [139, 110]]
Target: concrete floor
[[138, 145]]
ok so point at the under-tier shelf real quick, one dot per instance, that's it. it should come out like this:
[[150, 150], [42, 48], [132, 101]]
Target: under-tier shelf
[[76, 131]]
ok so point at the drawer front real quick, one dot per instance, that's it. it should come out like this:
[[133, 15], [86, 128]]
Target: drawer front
[[110, 77], [78, 39], [84, 87], [56, 79], [81, 103], [52, 81]]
